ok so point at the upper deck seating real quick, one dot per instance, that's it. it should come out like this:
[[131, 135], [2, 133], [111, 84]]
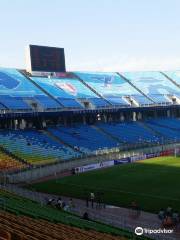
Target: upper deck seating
[[16, 90], [175, 76], [68, 90], [108, 85], [142, 100], [153, 84], [14, 103]]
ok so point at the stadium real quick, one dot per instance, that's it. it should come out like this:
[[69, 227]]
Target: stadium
[[87, 155]]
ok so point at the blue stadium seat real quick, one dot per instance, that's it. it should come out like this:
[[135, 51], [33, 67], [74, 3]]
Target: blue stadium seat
[[166, 133], [14, 103], [2, 107], [34, 146], [153, 84], [84, 137], [47, 102], [142, 100], [15, 88], [160, 99], [174, 75], [130, 132], [99, 102], [69, 103], [117, 101], [109, 85]]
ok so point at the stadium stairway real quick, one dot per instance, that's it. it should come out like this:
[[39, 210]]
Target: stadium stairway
[[115, 216], [173, 124], [118, 139], [127, 80], [92, 89], [170, 79], [42, 89], [59, 140], [149, 128], [108, 134]]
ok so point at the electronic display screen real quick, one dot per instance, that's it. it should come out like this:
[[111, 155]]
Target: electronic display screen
[[47, 59]]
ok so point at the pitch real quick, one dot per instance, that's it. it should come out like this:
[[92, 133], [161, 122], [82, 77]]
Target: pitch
[[153, 184]]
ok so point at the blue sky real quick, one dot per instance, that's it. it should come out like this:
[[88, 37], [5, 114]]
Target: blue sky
[[105, 35]]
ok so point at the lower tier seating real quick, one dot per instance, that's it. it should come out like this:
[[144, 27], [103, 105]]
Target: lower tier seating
[[61, 143], [26, 228], [47, 223], [35, 147], [8, 163], [130, 132], [85, 137]]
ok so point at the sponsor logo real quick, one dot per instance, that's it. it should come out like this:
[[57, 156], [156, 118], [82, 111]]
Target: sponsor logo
[[67, 87]]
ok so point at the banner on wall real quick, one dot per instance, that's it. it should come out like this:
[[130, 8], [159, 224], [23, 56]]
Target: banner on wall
[[126, 160], [94, 166]]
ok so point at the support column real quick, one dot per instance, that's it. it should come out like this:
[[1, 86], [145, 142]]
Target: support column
[[134, 117], [22, 124], [84, 119], [139, 116], [122, 117], [168, 113], [105, 118]]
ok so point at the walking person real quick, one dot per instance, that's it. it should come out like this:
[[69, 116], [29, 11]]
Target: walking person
[[92, 197], [71, 204]]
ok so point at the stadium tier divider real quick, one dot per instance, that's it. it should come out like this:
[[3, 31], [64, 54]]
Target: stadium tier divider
[[51, 97], [134, 86], [92, 89]]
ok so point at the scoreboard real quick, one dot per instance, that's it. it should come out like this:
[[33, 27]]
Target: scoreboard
[[46, 59]]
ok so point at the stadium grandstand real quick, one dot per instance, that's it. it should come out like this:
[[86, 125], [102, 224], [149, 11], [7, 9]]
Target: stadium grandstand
[[54, 123], [76, 115]]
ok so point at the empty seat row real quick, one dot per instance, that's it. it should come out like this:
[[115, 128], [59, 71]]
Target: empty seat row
[[41, 221], [35, 147]]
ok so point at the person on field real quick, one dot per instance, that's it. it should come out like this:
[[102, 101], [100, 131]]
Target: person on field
[[161, 214], [59, 203], [50, 201], [92, 197], [169, 211], [85, 216], [71, 203]]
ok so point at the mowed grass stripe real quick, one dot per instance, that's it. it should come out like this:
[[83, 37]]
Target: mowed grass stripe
[[152, 183], [122, 191]]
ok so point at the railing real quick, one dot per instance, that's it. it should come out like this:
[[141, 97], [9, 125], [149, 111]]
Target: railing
[[38, 172]]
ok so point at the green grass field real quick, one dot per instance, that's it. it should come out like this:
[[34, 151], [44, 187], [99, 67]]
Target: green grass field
[[153, 183]]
